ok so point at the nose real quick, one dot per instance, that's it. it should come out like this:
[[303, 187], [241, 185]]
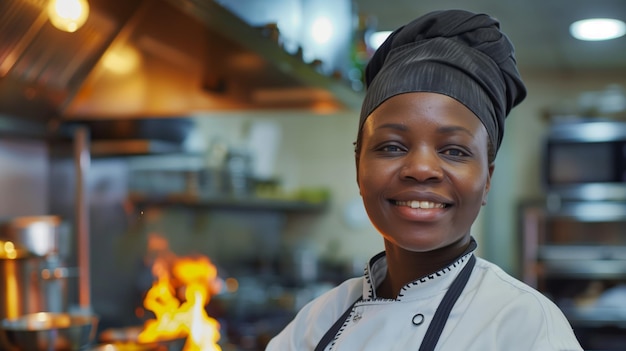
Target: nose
[[422, 165]]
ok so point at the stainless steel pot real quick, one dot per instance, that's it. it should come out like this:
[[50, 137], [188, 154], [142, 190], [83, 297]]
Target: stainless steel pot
[[39, 235], [33, 277], [20, 288]]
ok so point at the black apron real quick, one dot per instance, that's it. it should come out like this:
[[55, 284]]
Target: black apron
[[436, 325]]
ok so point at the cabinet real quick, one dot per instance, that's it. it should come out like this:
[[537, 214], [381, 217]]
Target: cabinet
[[575, 253]]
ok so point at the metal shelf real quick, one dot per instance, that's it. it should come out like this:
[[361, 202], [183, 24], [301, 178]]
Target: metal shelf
[[581, 252], [585, 269], [230, 203], [590, 211]]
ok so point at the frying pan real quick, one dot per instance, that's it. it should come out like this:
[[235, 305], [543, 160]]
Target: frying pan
[[125, 339]]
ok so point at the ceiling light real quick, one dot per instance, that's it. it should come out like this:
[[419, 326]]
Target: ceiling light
[[597, 29], [68, 15]]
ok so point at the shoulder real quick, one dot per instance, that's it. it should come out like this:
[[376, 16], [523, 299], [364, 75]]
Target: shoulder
[[496, 285], [495, 279], [329, 306], [518, 309], [316, 317]]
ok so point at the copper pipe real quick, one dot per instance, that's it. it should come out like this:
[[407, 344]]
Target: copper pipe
[[82, 162], [13, 301]]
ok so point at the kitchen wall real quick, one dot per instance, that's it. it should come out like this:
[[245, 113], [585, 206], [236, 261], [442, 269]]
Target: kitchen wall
[[315, 151]]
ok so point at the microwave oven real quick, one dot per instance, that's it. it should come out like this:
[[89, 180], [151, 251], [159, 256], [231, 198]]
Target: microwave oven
[[586, 160]]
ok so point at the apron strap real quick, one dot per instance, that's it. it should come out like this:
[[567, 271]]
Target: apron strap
[[330, 333], [443, 310]]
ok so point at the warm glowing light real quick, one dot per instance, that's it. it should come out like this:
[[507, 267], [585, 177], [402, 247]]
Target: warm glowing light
[[13, 297], [68, 15], [8, 250], [595, 29], [197, 277], [9, 246], [322, 30], [122, 60]]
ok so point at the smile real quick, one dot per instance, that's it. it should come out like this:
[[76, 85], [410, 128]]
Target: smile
[[420, 204]]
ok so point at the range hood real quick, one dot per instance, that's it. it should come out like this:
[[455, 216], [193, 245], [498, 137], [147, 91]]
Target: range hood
[[41, 67], [192, 55]]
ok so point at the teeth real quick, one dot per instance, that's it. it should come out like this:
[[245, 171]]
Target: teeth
[[420, 204]]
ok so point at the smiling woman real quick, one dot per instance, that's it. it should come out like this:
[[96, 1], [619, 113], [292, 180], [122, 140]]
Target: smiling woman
[[438, 92]]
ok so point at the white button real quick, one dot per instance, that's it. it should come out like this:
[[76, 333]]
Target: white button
[[418, 319]]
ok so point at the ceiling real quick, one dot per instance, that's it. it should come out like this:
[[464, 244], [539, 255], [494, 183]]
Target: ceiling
[[538, 28], [209, 59]]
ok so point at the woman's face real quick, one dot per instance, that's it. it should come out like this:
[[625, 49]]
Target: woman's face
[[422, 170]]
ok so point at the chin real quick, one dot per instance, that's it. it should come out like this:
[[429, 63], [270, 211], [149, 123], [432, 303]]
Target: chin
[[427, 243]]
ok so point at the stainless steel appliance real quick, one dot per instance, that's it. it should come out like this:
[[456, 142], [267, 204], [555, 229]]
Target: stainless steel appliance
[[575, 253], [586, 160], [574, 240]]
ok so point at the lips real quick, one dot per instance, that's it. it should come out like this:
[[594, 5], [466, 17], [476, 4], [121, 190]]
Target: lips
[[420, 204], [420, 200]]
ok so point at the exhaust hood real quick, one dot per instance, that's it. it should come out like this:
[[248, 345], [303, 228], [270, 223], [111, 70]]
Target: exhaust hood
[[189, 56], [41, 66]]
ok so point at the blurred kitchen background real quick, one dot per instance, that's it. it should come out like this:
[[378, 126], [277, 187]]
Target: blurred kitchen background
[[224, 129]]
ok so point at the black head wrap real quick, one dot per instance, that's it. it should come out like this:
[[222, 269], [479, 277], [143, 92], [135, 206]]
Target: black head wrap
[[456, 53]]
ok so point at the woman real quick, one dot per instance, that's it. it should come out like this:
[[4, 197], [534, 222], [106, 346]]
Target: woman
[[431, 124]]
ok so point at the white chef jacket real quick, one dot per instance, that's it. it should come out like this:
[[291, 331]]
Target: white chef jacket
[[495, 312]]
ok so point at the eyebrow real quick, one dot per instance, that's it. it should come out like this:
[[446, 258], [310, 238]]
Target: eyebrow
[[454, 129], [395, 126], [440, 130]]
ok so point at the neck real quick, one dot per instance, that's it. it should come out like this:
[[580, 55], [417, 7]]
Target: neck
[[405, 266]]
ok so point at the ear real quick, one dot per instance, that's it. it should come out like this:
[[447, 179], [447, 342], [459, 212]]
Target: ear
[[488, 183], [356, 162]]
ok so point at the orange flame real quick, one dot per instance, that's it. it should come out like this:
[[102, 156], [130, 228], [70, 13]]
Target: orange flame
[[175, 318]]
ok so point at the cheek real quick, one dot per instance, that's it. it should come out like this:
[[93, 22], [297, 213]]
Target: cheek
[[472, 182], [367, 178], [481, 189], [375, 182]]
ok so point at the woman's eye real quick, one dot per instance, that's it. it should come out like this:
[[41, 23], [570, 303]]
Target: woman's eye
[[455, 152], [390, 148]]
